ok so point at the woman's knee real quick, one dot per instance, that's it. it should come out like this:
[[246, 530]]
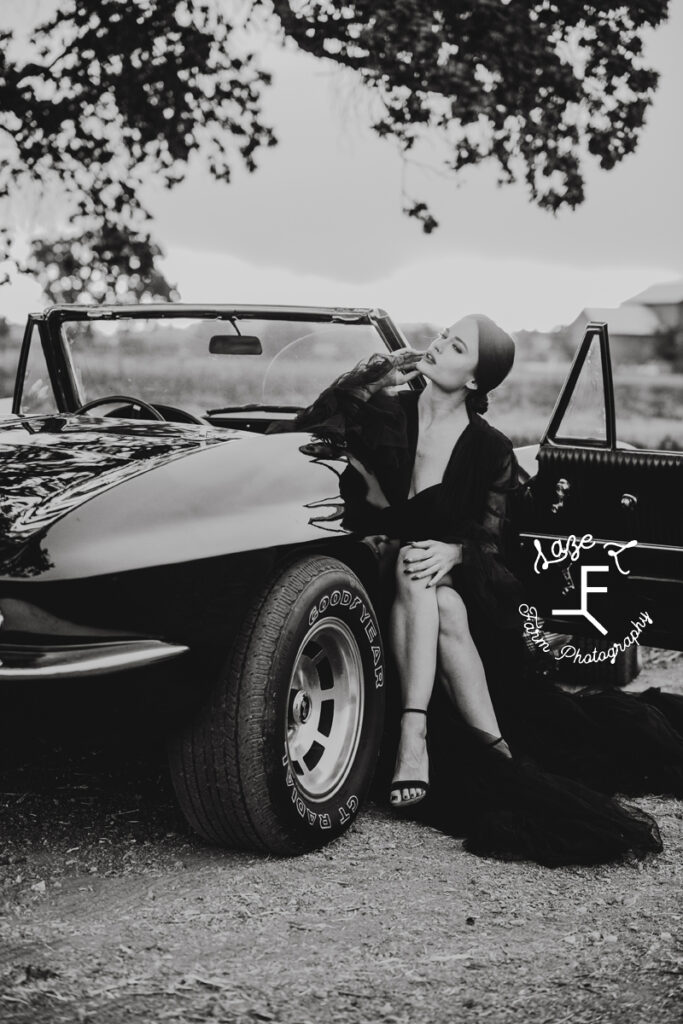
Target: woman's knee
[[453, 619], [406, 586]]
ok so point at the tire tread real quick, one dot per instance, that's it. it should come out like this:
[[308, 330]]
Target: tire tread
[[216, 762]]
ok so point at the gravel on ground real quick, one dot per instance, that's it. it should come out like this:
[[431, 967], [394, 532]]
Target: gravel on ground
[[110, 911]]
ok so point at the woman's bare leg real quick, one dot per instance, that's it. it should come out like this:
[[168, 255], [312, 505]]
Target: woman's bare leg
[[414, 627], [461, 668]]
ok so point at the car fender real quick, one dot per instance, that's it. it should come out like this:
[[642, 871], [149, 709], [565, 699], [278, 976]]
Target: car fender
[[261, 492]]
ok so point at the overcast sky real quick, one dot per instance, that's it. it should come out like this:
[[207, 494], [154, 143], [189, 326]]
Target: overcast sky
[[320, 222]]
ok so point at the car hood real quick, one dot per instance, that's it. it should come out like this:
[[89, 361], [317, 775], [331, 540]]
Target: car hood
[[50, 465]]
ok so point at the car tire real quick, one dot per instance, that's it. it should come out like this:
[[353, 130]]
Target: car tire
[[281, 756]]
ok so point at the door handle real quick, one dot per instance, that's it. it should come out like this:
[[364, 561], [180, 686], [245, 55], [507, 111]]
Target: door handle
[[561, 488], [629, 501]]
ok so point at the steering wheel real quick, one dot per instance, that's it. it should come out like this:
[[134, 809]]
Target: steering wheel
[[108, 399]]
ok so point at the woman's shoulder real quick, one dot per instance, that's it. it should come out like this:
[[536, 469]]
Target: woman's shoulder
[[494, 439]]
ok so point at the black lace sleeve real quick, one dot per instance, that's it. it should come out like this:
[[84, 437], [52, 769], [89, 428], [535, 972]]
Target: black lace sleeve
[[487, 545], [371, 426]]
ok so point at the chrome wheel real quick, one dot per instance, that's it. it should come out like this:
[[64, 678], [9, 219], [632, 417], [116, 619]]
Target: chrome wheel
[[324, 708]]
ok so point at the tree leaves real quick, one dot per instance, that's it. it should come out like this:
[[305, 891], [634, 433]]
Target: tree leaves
[[119, 93], [535, 87], [107, 265], [421, 212]]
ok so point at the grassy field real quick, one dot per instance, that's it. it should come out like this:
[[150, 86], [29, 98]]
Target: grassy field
[[649, 406], [8, 369]]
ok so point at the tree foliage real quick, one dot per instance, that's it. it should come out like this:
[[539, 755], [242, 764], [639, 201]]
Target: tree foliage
[[116, 94], [533, 86], [120, 93], [99, 266]]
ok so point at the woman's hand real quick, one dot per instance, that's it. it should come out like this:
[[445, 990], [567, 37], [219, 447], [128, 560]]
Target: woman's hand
[[400, 368], [431, 558]]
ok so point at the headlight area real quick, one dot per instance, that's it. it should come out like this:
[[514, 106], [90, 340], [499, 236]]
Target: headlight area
[[127, 620], [36, 644], [33, 662]]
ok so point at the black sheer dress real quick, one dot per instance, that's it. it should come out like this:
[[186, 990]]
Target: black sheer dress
[[553, 802]]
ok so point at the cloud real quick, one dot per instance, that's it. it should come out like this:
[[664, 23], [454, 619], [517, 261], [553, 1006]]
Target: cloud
[[518, 293], [327, 201]]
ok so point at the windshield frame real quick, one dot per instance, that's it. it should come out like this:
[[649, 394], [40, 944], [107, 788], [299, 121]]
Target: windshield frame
[[64, 380]]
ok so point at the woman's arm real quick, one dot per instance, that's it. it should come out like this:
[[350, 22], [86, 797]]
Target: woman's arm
[[484, 543], [343, 402], [357, 413], [486, 536]]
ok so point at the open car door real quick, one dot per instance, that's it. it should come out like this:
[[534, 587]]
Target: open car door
[[603, 536]]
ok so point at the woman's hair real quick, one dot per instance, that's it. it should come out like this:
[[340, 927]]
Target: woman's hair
[[496, 356], [476, 401]]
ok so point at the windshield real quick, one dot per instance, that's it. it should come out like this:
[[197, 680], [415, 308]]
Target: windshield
[[203, 365]]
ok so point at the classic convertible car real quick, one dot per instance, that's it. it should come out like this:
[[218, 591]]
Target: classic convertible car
[[158, 518]]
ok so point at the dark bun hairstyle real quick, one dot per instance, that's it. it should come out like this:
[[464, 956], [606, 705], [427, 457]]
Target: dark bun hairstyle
[[496, 356], [476, 401]]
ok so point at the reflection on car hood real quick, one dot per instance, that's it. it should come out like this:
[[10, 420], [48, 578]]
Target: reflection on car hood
[[50, 465]]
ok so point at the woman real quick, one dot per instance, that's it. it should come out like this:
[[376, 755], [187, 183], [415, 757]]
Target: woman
[[436, 478], [429, 622]]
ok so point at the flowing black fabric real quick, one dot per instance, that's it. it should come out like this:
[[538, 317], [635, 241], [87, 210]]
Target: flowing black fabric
[[554, 801]]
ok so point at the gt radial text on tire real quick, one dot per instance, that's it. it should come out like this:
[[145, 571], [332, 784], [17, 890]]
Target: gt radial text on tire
[[281, 756]]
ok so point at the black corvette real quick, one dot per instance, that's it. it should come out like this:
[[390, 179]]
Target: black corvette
[[158, 517]]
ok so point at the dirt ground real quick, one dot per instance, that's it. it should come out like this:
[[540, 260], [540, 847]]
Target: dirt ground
[[111, 912]]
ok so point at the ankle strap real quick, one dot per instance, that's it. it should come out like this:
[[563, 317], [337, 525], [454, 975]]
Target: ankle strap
[[416, 711]]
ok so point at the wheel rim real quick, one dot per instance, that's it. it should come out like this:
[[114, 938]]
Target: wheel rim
[[324, 709]]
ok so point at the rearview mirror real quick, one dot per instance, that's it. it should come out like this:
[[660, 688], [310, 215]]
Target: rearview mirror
[[235, 345]]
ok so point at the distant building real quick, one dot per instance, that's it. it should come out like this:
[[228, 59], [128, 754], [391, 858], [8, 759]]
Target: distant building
[[647, 327], [636, 333], [666, 302]]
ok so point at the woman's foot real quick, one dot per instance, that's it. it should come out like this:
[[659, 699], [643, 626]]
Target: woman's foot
[[493, 742], [411, 773]]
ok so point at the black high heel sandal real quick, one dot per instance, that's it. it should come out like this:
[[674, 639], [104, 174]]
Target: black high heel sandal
[[400, 784], [492, 742]]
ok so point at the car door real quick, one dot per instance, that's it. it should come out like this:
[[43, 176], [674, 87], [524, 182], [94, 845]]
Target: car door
[[603, 538]]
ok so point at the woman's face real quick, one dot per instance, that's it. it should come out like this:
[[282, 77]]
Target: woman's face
[[451, 359]]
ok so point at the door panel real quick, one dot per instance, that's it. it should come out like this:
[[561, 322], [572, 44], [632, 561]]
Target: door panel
[[589, 485], [617, 495]]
